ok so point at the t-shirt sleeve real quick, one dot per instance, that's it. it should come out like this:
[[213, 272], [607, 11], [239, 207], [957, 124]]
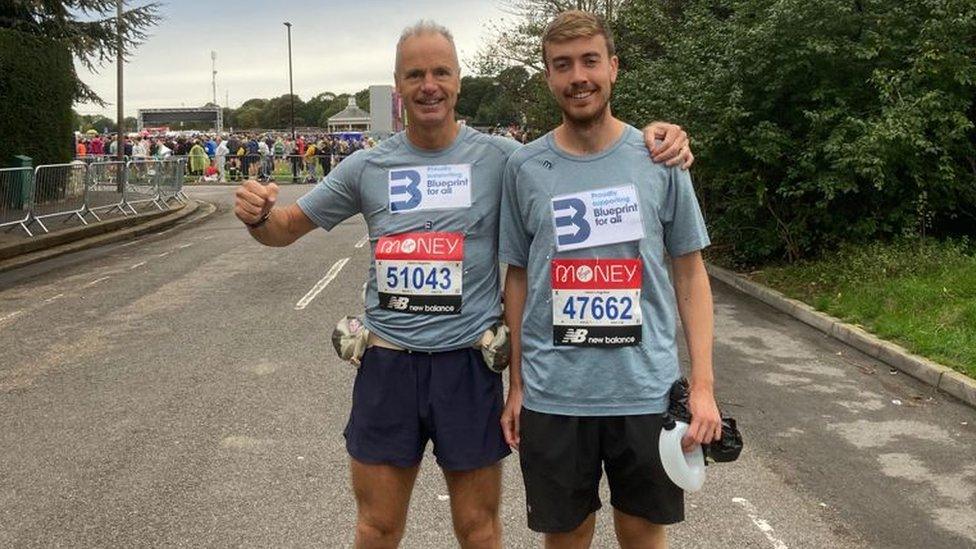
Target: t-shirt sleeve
[[684, 226], [335, 198], [513, 240]]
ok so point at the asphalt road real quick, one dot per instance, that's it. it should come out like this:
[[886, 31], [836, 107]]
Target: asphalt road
[[171, 391]]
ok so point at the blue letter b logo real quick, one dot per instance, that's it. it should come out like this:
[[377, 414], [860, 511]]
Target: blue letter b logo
[[576, 219], [410, 188]]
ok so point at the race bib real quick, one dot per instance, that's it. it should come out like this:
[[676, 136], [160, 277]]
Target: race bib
[[596, 302], [597, 217], [420, 273], [430, 188]]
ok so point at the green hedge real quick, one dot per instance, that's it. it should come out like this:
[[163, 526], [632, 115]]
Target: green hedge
[[37, 92], [814, 122]]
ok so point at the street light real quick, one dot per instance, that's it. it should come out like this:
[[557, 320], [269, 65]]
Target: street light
[[120, 114], [291, 85]]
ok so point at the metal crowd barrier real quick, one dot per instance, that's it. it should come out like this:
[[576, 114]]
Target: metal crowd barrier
[[16, 186], [79, 189], [106, 187], [171, 180], [59, 190], [142, 184]]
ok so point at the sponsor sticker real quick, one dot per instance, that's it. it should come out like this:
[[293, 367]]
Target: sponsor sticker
[[596, 302], [597, 217], [430, 188], [420, 273]]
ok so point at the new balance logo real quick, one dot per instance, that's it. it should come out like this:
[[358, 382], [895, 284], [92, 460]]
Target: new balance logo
[[575, 335], [398, 303], [547, 164]]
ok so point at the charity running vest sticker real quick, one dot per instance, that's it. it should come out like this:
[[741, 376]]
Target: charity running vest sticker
[[597, 217], [430, 188], [596, 302], [420, 273]]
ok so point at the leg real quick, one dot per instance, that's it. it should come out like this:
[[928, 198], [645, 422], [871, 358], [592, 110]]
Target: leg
[[580, 538], [643, 497], [637, 533], [382, 498], [475, 498]]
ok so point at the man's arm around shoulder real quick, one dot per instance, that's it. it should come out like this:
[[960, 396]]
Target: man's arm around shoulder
[[254, 206]]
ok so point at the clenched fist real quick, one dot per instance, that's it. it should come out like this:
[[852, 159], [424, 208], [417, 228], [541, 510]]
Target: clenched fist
[[254, 200]]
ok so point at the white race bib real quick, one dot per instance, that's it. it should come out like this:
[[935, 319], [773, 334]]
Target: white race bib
[[596, 302], [420, 273], [430, 188], [597, 217]]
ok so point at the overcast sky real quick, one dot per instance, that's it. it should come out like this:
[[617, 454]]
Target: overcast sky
[[336, 46]]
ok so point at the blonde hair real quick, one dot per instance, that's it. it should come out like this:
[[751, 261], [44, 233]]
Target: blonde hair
[[573, 24]]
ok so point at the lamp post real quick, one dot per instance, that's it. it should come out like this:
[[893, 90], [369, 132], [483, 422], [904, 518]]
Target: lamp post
[[120, 122], [291, 85]]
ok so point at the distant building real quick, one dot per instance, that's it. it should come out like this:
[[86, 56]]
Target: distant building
[[350, 119]]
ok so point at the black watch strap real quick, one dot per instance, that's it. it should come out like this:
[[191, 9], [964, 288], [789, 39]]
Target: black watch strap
[[259, 222]]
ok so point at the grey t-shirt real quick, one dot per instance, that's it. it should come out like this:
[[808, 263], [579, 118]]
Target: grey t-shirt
[[598, 331], [433, 228]]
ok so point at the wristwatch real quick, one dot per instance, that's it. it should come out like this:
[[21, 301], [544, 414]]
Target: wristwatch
[[262, 221]]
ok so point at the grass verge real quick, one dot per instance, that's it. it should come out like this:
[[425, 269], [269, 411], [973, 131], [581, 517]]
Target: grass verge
[[919, 293]]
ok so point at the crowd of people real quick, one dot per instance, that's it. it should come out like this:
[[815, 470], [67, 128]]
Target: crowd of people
[[234, 157]]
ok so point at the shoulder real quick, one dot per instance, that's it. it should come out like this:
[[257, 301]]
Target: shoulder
[[635, 150], [528, 152], [382, 154], [501, 145]]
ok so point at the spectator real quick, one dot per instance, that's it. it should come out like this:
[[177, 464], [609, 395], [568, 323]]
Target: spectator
[[198, 159]]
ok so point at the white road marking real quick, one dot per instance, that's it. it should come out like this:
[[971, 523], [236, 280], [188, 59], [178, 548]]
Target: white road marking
[[130, 243], [9, 316], [96, 281], [186, 245], [166, 231], [50, 299], [164, 254], [321, 284], [137, 265], [362, 242], [760, 523]]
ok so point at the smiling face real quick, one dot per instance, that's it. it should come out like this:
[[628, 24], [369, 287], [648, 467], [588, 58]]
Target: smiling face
[[428, 78], [581, 73]]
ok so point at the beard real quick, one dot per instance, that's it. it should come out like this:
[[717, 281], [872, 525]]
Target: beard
[[588, 119]]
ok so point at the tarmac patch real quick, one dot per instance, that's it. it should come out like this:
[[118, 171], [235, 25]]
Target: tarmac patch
[[876, 434], [957, 487]]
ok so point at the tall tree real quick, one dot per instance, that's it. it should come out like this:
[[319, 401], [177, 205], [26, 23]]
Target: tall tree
[[516, 40], [87, 27]]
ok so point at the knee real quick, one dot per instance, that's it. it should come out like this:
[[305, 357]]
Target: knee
[[479, 530], [377, 533]]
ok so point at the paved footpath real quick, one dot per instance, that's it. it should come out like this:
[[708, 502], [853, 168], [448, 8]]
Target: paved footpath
[[181, 390]]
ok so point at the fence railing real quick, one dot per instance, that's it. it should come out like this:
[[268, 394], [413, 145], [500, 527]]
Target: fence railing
[[80, 190], [16, 186]]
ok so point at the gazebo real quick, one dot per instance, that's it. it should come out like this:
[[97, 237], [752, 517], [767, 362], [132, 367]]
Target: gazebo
[[350, 119]]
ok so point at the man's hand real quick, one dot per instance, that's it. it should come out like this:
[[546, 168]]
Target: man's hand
[[510, 417], [254, 200], [674, 149], [706, 423]]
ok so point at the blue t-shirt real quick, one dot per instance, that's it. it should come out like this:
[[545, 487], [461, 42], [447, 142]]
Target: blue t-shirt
[[432, 218], [598, 331]]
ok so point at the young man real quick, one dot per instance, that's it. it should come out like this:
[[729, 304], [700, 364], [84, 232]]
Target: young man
[[586, 222], [430, 197]]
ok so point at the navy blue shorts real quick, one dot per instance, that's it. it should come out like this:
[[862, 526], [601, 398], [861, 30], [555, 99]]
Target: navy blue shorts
[[401, 400]]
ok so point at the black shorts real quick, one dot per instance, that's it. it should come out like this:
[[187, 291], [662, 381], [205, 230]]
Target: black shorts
[[401, 400], [561, 457]]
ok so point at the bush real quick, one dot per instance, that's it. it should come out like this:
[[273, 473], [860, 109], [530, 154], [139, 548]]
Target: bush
[[814, 122], [37, 89]]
